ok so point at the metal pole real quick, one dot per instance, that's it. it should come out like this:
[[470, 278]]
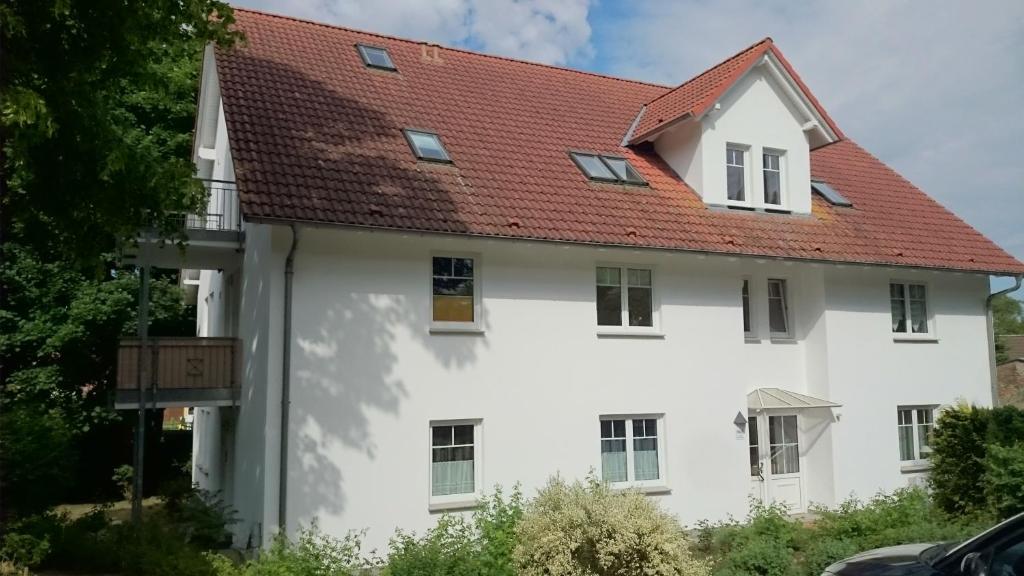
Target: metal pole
[[140, 430]]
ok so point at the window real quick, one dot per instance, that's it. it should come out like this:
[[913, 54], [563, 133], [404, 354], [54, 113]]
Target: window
[[778, 309], [909, 307], [375, 57], [455, 297], [748, 324], [784, 444], [772, 168], [607, 168], [427, 146], [830, 194], [754, 444], [454, 459], [914, 426], [736, 174], [631, 450], [632, 307]]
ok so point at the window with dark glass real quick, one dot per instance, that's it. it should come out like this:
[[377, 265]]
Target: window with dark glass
[[772, 178], [427, 146], [375, 57], [754, 447], [909, 307], [778, 308], [747, 324], [735, 174], [453, 296], [607, 168], [632, 307]]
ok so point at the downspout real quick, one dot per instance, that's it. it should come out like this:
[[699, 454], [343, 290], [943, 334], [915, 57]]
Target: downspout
[[286, 361], [992, 336]]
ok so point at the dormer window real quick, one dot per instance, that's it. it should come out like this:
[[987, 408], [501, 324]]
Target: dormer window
[[376, 57], [735, 160], [607, 168], [772, 168], [427, 146]]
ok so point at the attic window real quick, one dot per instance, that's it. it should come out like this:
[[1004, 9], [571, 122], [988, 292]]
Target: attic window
[[830, 194], [376, 57], [607, 168], [427, 146]]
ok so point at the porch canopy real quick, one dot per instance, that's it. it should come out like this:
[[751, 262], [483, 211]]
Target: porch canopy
[[775, 398]]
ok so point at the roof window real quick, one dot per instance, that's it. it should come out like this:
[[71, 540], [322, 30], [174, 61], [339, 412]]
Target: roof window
[[427, 146], [376, 57], [830, 194], [607, 168]]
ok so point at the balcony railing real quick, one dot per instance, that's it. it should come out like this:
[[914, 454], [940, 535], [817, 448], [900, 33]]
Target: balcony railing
[[179, 372], [221, 208]]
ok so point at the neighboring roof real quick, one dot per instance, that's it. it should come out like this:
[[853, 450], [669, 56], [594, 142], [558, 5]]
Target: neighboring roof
[[696, 96], [765, 398], [1014, 346], [316, 136]]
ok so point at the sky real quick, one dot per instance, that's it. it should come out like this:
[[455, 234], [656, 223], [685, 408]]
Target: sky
[[935, 88]]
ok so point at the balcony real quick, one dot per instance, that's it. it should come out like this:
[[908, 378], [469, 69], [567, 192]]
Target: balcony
[[214, 239], [179, 372]]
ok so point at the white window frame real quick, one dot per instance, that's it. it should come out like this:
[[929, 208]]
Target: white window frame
[[624, 329], [919, 461], [747, 190], [787, 302], [783, 203], [909, 333], [658, 484], [749, 335], [476, 326], [456, 501]]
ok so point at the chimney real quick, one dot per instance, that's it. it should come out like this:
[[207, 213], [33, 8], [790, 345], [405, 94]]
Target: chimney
[[431, 52]]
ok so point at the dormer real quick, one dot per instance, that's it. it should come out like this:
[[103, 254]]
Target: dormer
[[740, 134]]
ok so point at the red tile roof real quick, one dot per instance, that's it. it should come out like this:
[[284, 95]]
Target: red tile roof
[[317, 137], [697, 95]]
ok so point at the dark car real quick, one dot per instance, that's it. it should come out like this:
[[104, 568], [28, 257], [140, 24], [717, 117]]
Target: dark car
[[998, 551]]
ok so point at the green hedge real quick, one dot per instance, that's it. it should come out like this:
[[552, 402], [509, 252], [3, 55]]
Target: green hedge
[[976, 461]]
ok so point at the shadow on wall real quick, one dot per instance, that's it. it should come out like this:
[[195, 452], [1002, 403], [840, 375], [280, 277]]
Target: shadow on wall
[[312, 153]]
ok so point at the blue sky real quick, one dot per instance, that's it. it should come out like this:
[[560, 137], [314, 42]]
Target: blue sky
[[934, 88]]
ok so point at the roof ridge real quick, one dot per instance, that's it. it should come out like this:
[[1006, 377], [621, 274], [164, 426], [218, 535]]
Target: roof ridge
[[453, 48], [766, 40]]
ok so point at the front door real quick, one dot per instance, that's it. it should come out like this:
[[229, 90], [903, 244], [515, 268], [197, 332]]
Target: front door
[[774, 440]]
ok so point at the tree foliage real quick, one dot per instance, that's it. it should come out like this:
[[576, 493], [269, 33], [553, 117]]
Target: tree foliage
[[1008, 319]]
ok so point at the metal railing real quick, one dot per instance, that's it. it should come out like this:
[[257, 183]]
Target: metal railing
[[221, 208]]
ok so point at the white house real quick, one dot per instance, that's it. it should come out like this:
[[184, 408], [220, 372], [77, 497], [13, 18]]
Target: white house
[[449, 271]]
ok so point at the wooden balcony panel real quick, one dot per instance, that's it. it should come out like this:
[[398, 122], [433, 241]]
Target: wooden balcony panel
[[183, 371]]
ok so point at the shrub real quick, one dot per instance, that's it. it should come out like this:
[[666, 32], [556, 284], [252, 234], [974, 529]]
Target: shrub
[[1004, 479], [311, 554], [24, 549], [587, 529], [456, 546], [199, 515], [764, 545], [8, 568]]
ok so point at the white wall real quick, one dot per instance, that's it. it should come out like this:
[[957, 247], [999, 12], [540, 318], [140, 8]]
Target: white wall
[[755, 114], [368, 376]]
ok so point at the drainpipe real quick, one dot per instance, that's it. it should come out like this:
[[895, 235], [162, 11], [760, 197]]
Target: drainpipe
[[992, 336], [286, 361]]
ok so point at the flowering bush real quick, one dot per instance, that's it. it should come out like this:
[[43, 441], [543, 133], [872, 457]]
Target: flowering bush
[[586, 529]]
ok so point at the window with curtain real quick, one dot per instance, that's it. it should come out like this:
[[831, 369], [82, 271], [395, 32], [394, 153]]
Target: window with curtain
[[630, 305], [453, 459], [784, 444], [631, 450], [454, 297], [778, 308], [735, 174], [914, 427], [909, 306], [772, 170]]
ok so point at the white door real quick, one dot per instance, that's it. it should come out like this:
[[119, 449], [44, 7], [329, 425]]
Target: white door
[[777, 477]]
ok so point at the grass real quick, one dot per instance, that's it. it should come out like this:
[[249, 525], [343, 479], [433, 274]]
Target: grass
[[120, 511]]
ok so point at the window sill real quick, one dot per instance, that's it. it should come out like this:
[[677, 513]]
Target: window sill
[[630, 334], [643, 489], [783, 339], [914, 338], [751, 339], [470, 501], [912, 467], [442, 329]]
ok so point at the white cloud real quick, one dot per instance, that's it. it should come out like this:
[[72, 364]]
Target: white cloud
[[548, 31], [932, 88]]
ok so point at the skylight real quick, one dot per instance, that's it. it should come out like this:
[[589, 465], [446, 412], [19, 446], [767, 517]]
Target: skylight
[[376, 57], [830, 194], [607, 168], [427, 146]]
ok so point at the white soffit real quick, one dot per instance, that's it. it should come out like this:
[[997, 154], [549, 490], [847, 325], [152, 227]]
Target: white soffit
[[775, 398]]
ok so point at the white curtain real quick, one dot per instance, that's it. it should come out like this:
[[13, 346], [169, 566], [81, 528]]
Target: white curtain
[[613, 460], [452, 478]]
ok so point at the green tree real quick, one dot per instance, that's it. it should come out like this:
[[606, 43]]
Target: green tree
[[1008, 319]]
